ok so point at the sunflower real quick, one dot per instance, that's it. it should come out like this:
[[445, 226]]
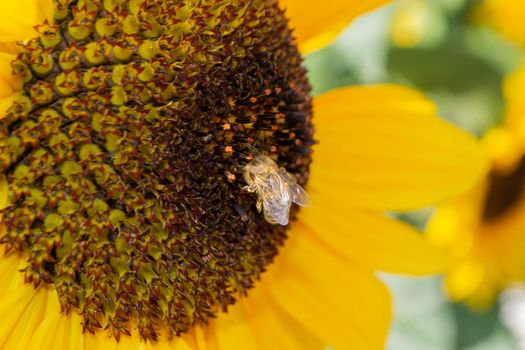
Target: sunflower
[[128, 129], [506, 17], [483, 230]]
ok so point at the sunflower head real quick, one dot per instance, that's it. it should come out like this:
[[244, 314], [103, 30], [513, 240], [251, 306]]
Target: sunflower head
[[507, 17], [483, 229], [125, 151]]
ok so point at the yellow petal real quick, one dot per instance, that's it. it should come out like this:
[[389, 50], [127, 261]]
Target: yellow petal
[[44, 338], [410, 20], [10, 47], [513, 90], [19, 18], [42, 326], [12, 308], [55, 333], [135, 342], [344, 305], [11, 281], [383, 147], [26, 326], [266, 317], [8, 264], [103, 340], [99, 340], [32, 319], [204, 338], [505, 16], [233, 331], [7, 102], [8, 81], [369, 238], [10, 84], [317, 23]]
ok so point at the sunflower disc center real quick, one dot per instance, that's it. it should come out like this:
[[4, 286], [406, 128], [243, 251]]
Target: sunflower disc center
[[124, 155]]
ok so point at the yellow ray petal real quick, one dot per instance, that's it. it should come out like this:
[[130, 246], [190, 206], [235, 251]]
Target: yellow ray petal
[[76, 334], [505, 16], [318, 23], [409, 24], [343, 304], [10, 47], [58, 332], [45, 338], [8, 267], [13, 279], [26, 326], [34, 321], [377, 241], [18, 18], [383, 147], [6, 102], [9, 83], [130, 343], [266, 317], [233, 331], [513, 89], [136, 343], [99, 340], [12, 308], [176, 343], [205, 338]]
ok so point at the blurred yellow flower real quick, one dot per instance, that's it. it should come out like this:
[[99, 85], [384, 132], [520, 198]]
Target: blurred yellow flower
[[128, 125], [410, 21], [483, 231], [505, 16]]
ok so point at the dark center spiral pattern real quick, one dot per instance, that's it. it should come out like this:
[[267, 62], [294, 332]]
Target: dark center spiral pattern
[[124, 155], [505, 191]]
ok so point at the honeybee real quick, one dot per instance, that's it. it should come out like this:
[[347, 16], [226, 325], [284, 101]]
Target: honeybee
[[275, 187]]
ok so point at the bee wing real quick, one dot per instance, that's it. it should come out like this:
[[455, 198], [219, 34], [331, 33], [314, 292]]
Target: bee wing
[[297, 193], [276, 199], [299, 196]]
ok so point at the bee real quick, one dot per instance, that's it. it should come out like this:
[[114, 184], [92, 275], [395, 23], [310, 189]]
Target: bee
[[275, 187]]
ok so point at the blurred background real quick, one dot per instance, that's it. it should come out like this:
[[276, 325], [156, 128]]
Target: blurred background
[[441, 48]]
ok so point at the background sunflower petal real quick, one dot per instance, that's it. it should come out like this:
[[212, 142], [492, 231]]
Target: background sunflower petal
[[513, 89], [383, 147], [317, 23], [341, 303]]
